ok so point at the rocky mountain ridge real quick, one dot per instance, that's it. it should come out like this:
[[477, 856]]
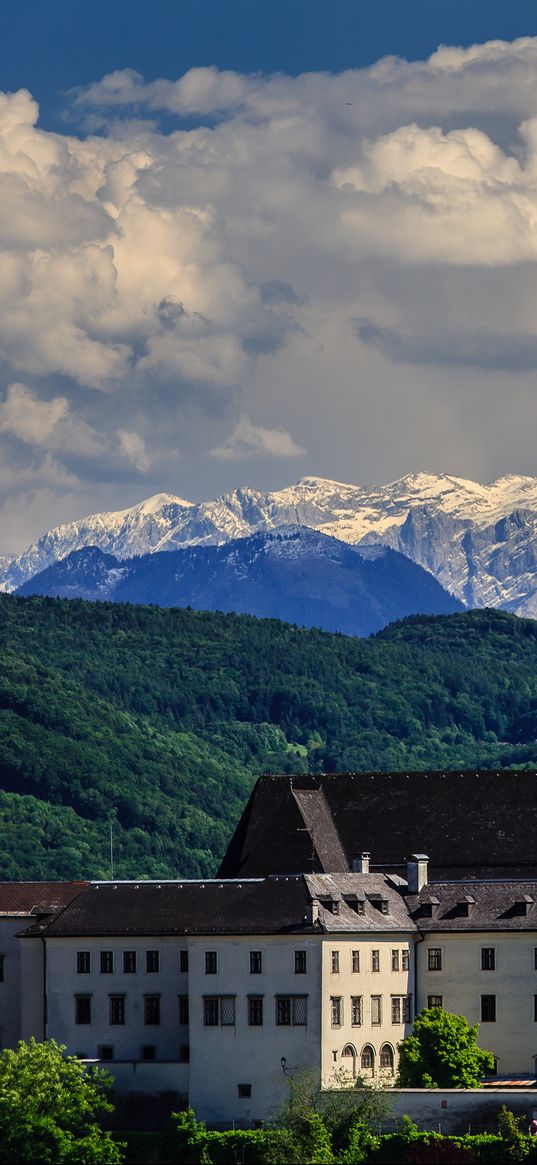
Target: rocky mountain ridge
[[479, 541]]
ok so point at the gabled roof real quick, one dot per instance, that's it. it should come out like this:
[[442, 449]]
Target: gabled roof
[[473, 824], [21, 899]]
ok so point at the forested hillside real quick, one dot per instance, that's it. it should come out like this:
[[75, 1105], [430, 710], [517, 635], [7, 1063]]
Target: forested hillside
[[162, 719]]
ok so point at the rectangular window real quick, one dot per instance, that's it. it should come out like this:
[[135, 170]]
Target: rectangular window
[[107, 962], [336, 1010], [211, 962], [301, 964], [395, 960], [151, 1010], [83, 962], [407, 1009], [244, 1091], [375, 960], [434, 959], [184, 1053], [334, 962], [255, 1011], [116, 1008], [227, 1010], [376, 1009], [488, 1009], [283, 1011], [435, 1001], [488, 959], [152, 962], [183, 962], [106, 1052], [149, 1052], [211, 1012], [129, 962], [404, 960], [356, 1010], [183, 1010], [396, 1009], [355, 962], [256, 962], [299, 1012], [82, 1008]]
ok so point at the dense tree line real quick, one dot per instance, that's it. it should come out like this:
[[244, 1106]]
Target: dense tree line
[[162, 719]]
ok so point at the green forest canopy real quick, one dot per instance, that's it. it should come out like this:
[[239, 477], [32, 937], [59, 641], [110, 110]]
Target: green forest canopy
[[163, 719]]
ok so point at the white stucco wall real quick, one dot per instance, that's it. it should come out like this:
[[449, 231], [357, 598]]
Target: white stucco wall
[[10, 988], [461, 982]]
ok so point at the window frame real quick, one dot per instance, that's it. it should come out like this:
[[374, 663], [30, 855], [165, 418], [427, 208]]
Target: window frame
[[130, 957], [82, 1001], [256, 962], [151, 1010], [336, 1011], [488, 954], [116, 1010], [211, 962], [301, 962], [376, 1009], [255, 1010], [106, 962], [357, 1008], [490, 1004], [83, 958], [435, 959], [152, 957]]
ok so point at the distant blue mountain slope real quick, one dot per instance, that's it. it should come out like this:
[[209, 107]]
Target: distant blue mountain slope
[[295, 573]]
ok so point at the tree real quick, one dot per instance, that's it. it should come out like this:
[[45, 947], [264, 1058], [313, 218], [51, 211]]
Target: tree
[[49, 1108], [442, 1052]]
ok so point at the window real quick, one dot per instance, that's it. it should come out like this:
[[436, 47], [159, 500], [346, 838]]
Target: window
[[211, 962], [106, 1052], [83, 962], [244, 1091], [129, 962], [366, 1059], [404, 960], [151, 1010], [152, 962], [107, 962], [376, 1009], [184, 1018], [301, 963], [488, 1009], [434, 959], [356, 1010], [336, 1010], [355, 962], [2, 961], [395, 960], [400, 1008], [149, 1052], [183, 962], [334, 962], [435, 1001], [255, 1011], [488, 959], [184, 1053], [375, 960], [256, 962], [386, 1058], [535, 957], [535, 1008], [116, 1009], [291, 1010], [219, 1011], [82, 1008]]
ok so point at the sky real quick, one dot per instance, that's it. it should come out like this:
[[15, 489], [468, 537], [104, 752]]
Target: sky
[[244, 242]]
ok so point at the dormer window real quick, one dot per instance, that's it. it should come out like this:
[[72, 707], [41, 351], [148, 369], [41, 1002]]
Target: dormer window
[[331, 904], [464, 905], [523, 904]]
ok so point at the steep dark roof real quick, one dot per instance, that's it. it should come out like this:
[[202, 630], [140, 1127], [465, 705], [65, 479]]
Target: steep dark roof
[[500, 905], [473, 824], [27, 898]]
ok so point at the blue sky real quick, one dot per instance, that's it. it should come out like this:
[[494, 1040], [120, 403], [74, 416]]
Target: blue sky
[[52, 45], [241, 243]]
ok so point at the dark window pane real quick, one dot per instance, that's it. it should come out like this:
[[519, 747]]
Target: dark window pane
[[301, 962], [210, 1012], [255, 1012], [116, 1005], [83, 962], [488, 1008], [152, 961], [488, 959], [183, 1010], [183, 961], [434, 957], [107, 962], [82, 1009], [129, 962], [148, 1052], [256, 962], [152, 1009], [211, 962], [283, 1012]]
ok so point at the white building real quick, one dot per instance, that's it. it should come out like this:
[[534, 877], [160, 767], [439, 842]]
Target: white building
[[220, 990]]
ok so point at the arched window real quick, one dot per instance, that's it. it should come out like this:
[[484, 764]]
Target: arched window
[[386, 1058], [350, 1053], [367, 1059]]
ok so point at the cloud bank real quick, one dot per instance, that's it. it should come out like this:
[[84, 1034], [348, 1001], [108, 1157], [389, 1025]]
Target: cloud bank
[[339, 264]]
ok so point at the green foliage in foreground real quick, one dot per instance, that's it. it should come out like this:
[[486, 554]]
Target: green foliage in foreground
[[163, 719], [442, 1052], [50, 1106]]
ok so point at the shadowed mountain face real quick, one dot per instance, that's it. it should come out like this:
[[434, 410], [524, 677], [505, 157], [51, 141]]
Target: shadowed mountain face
[[295, 574]]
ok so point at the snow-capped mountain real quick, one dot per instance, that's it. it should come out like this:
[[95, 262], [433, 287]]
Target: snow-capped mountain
[[479, 541], [293, 573]]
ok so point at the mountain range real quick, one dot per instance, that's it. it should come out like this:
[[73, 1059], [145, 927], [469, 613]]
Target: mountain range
[[478, 541], [294, 573]]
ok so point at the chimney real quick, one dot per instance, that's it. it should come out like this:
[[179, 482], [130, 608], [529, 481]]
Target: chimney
[[361, 865], [416, 872]]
